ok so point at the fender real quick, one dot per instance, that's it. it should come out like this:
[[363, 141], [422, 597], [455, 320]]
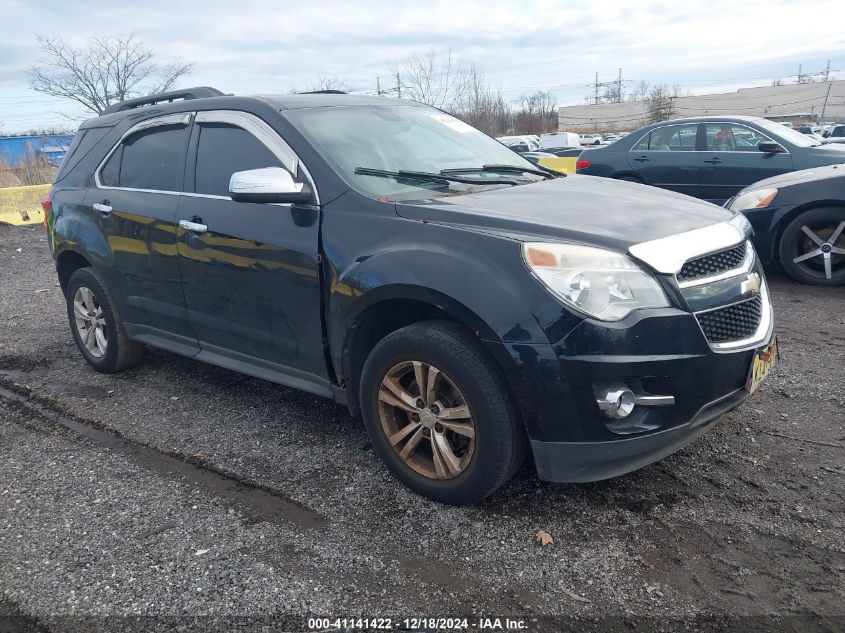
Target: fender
[[76, 231], [435, 276]]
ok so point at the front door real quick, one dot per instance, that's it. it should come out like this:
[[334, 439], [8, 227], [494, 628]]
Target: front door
[[251, 275], [732, 160], [666, 158]]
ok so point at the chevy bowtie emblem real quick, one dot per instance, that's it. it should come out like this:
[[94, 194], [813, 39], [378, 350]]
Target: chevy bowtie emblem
[[751, 284]]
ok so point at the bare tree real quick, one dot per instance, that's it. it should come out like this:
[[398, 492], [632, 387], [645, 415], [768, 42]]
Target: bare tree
[[481, 106], [328, 81], [437, 81], [538, 113], [106, 70], [640, 93]]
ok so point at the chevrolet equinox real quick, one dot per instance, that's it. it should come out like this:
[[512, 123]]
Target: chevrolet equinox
[[471, 306]]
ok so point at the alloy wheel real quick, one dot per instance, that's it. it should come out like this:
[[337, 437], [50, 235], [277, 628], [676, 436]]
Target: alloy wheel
[[821, 248], [426, 420], [90, 322]]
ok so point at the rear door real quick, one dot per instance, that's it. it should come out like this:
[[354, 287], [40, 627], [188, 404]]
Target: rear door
[[251, 277], [134, 199], [733, 161], [666, 157]]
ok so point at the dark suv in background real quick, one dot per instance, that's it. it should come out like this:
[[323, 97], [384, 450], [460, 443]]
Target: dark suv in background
[[391, 257]]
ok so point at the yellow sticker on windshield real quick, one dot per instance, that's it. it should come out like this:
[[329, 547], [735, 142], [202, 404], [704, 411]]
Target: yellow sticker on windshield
[[452, 122]]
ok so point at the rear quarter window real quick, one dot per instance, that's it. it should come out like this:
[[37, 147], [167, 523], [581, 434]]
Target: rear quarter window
[[84, 141]]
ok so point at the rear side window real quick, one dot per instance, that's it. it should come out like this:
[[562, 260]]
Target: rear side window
[[671, 138], [149, 159], [224, 149]]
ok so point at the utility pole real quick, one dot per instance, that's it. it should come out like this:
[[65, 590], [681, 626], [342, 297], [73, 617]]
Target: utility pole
[[378, 86], [827, 71], [619, 87], [800, 76], [398, 86], [824, 107], [596, 100]]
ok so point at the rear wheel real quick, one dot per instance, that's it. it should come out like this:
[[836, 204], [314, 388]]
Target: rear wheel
[[812, 247], [439, 414], [95, 325]]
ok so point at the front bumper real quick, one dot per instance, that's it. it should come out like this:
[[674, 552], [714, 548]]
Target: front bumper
[[663, 352], [593, 461]]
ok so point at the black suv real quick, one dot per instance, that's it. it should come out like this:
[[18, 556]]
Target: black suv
[[382, 253]]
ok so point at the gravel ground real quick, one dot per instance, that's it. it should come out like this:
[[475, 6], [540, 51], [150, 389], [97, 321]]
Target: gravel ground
[[742, 530]]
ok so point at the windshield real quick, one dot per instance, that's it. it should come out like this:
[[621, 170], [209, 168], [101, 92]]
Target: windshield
[[395, 138], [789, 135]]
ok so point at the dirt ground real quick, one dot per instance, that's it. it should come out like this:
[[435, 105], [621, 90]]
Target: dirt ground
[[180, 496]]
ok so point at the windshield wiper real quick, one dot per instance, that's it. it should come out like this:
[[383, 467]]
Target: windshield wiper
[[507, 169], [426, 176]]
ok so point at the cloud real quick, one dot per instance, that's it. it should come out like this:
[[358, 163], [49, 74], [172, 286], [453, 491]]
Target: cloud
[[256, 46]]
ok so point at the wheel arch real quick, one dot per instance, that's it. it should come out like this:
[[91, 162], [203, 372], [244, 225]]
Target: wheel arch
[[388, 308], [68, 262], [627, 173]]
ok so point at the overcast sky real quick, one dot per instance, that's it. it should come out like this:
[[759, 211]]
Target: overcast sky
[[250, 46]]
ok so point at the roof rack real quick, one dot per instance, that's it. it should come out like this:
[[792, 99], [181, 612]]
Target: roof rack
[[164, 97], [324, 92]]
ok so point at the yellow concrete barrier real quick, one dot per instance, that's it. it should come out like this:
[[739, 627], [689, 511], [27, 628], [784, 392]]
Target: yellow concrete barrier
[[22, 205], [562, 164]]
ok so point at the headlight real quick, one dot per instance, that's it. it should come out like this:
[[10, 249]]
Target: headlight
[[601, 283], [756, 199]]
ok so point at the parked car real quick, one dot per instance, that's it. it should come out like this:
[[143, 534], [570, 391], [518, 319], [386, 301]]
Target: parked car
[[708, 157], [590, 139], [388, 256], [835, 134], [559, 140], [526, 143], [799, 220]]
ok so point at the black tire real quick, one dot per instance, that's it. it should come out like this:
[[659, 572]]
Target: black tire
[[795, 243], [120, 351], [500, 442]]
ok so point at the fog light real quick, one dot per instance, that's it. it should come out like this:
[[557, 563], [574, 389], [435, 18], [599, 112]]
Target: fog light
[[616, 402]]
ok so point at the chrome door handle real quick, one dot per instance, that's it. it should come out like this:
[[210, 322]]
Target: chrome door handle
[[193, 226], [103, 208], [713, 161], [642, 159]]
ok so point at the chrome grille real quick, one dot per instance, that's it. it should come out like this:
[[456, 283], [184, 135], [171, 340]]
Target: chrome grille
[[732, 323], [713, 264]]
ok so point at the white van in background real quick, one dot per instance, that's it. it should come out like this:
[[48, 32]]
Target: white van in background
[[559, 140]]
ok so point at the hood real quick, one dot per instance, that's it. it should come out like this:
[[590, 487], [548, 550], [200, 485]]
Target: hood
[[583, 209], [799, 177]]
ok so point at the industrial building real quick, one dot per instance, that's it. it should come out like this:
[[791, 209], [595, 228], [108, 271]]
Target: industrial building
[[16, 149], [817, 102]]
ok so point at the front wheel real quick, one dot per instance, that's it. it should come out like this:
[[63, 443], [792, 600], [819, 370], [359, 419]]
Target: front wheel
[[439, 413], [812, 247]]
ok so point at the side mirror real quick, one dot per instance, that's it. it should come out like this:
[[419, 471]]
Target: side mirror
[[770, 147], [269, 184]]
